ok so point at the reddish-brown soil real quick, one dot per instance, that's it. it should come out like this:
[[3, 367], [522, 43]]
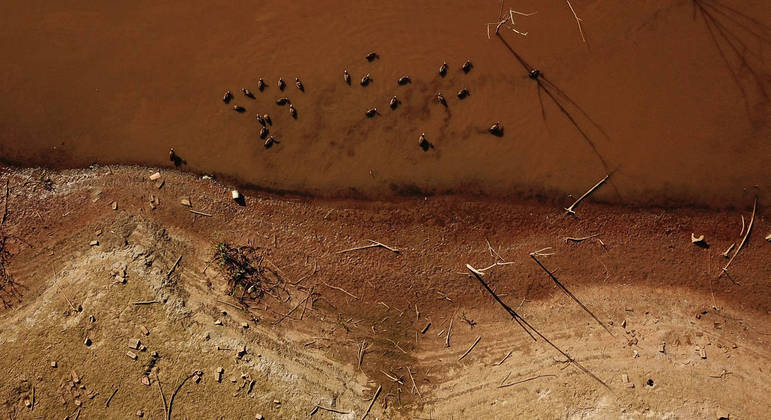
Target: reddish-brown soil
[[641, 276], [672, 98]]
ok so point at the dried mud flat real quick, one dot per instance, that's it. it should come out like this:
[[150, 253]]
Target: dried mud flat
[[93, 261]]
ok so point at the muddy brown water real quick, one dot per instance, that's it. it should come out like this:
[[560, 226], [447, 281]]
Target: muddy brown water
[[671, 98]]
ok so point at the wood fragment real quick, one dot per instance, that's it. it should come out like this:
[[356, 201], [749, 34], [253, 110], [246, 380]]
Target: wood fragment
[[470, 348], [423, 331], [310, 293], [174, 267], [377, 393], [728, 251], [340, 289], [200, 213], [744, 240], [107, 403], [449, 330], [373, 244], [567, 292], [240, 308], [147, 302], [502, 385], [571, 209], [163, 397]]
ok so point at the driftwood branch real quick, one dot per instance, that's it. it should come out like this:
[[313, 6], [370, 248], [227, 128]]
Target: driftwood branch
[[571, 209]]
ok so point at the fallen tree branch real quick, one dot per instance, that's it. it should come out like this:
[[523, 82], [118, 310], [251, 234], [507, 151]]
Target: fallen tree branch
[[567, 292], [331, 410], [414, 386], [571, 209], [171, 401], [107, 403]]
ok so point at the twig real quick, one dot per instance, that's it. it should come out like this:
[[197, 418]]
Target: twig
[[240, 308], [470, 348], [578, 21], [32, 404], [293, 309], [570, 209], [374, 244], [414, 386], [200, 213], [362, 350], [147, 302], [171, 401], [744, 240], [522, 322], [741, 232], [449, 330], [377, 393], [340, 289], [174, 267], [165, 406], [567, 292], [393, 378], [107, 403], [502, 385], [572, 239], [504, 359]]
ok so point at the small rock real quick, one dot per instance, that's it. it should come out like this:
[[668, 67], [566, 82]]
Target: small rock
[[159, 183], [131, 355], [134, 343], [156, 176], [244, 325], [241, 351], [114, 205], [99, 232], [186, 202], [259, 417], [623, 324], [277, 402], [768, 237], [703, 353], [662, 347], [207, 336], [91, 318], [145, 380], [625, 378], [236, 195], [140, 413], [233, 379], [154, 354], [27, 403], [219, 372], [698, 240], [635, 354], [218, 322], [53, 364], [87, 341], [93, 243], [78, 403], [142, 348], [144, 330], [75, 377]]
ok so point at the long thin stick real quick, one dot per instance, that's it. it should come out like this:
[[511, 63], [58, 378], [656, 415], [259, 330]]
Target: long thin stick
[[581, 239], [147, 302], [567, 292], [449, 330], [171, 401], [502, 385], [470, 348], [414, 386], [331, 410], [504, 359], [107, 403], [174, 267], [340, 289], [578, 21], [570, 209], [165, 406], [374, 244], [200, 213], [366, 413], [522, 321], [744, 240]]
